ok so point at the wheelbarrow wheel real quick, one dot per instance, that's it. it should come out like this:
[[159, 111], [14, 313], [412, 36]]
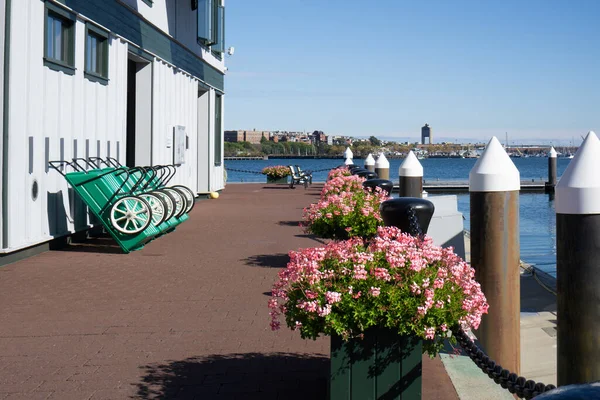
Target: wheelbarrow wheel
[[130, 215], [190, 197], [180, 201], [169, 201], [158, 207]]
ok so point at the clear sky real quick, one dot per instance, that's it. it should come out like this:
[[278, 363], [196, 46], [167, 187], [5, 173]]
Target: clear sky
[[471, 69]]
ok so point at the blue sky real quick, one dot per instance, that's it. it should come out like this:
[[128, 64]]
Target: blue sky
[[471, 69]]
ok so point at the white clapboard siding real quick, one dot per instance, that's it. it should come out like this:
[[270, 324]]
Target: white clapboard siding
[[174, 104], [54, 109]]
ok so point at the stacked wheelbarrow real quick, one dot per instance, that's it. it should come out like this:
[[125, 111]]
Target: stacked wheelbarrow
[[134, 205]]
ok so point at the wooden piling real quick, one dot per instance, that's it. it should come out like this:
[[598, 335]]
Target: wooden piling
[[494, 185], [577, 269]]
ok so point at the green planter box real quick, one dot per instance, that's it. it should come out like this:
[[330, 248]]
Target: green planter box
[[382, 366], [283, 181]]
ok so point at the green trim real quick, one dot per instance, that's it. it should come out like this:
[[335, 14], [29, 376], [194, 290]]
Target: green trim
[[148, 2], [90, 76], [97, 30], [61, 11], [60, 66], [140, 52], [218, 130], [5, 141]]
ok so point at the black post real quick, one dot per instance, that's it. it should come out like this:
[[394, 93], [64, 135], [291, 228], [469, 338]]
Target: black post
[[552, 174], [410, 177], [577, 267]]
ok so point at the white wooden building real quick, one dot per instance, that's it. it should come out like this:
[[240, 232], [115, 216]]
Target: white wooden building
[[98, 78]]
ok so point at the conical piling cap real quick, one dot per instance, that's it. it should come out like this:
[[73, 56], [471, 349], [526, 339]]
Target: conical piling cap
[[578, 191], [348, 153], [369, 160], [382, 162], [494, 171], [348, 161], [411, 166], [552, 153]]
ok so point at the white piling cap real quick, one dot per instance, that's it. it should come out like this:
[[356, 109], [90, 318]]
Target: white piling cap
[[494, 171], [348, 153], [348, 161], [382, 162], [552, 153], [411, 166], [369, 160], [578, 191]]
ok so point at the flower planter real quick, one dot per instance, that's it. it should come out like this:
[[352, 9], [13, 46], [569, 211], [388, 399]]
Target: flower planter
[[283, 181], [382, 365]]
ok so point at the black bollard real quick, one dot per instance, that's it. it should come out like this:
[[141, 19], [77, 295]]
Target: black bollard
[[384, 184], [366, 174], [573, 392], [552, 160], [353, 168], [577, 267], [398, 212]]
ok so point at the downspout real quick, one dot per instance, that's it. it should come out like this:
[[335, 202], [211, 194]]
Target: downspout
[[5, 126]]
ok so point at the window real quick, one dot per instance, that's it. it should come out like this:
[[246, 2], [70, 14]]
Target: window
[[211, 25], [218, 129], [96, 54], [59, 39]]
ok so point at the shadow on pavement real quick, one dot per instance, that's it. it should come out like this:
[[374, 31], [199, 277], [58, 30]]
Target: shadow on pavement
[[268, 260], [289, 223], [241, 376], [96, 245]]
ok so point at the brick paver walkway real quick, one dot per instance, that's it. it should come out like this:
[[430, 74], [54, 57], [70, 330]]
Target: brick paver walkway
[[184, 318]]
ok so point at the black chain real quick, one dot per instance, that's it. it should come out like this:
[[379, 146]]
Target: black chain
[[244, 170], [260, 173], [515, 384]]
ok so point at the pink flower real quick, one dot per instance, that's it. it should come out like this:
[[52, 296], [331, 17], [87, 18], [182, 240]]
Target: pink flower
[[429, 333], [374, 291], [333, 297], [444, 327]]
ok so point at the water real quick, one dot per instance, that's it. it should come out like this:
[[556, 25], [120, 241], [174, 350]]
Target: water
[[537, 221], [443, 169]]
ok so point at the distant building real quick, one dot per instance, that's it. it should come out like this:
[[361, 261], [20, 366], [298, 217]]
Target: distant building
[[318, 137], [253, 137], [426, 133]]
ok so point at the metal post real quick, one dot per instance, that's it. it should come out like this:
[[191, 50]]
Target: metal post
[[411, 176], [577, 269], [348, 161], [494, 185], [382, 167], [370, 163], [551, 184]]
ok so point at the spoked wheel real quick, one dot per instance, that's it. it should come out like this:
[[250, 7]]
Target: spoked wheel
[[158, 207], [130, 215], [169, 201], [189, 196], [180, 201]]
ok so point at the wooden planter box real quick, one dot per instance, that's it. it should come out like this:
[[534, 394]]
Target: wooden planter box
[[283, 181], [381, 366]]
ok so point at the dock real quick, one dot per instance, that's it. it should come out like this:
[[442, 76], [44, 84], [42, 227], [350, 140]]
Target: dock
[[528, 186]]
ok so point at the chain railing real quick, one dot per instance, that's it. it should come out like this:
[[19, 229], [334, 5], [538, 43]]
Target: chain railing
[[514, 383]]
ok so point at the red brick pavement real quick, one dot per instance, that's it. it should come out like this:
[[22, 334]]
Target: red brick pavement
[[184, 318]]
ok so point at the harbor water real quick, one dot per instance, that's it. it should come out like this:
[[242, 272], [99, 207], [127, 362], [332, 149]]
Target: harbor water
[[537, 216]]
